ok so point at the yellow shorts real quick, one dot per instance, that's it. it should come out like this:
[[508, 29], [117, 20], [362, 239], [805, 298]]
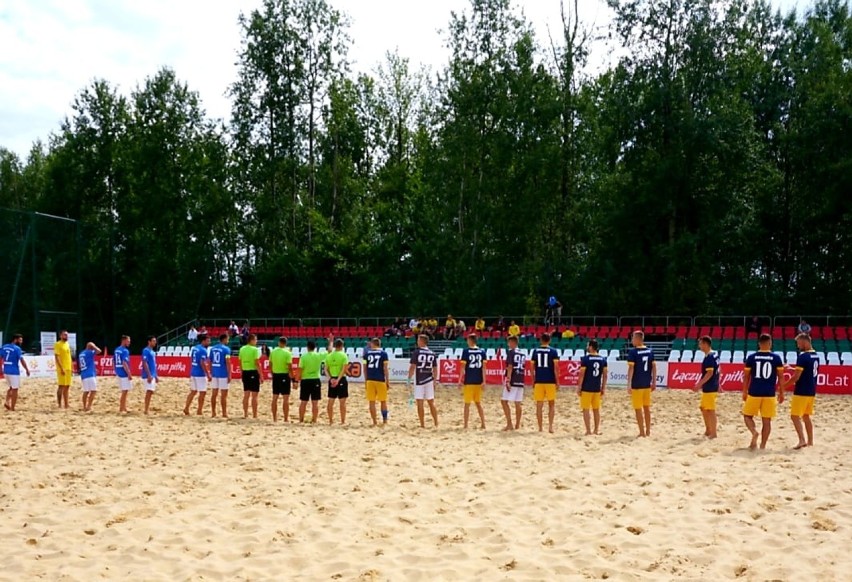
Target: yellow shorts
[[801, 405], [708, 400], [63, 379], [641, 398], [590, 400], [376, 391], [472, 393], [544, 392], [762, 406]]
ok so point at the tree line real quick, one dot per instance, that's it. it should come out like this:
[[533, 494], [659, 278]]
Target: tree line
[[708, 170]]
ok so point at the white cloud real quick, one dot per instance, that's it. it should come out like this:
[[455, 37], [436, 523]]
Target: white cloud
[[51, 49]]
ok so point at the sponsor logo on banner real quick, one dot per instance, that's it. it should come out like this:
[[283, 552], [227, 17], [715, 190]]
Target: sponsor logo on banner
[[831, 379]]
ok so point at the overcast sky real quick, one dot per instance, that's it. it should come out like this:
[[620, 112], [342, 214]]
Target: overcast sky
[[51, 49]]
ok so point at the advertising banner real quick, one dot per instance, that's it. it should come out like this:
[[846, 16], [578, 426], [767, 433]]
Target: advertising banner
[[830, 379]]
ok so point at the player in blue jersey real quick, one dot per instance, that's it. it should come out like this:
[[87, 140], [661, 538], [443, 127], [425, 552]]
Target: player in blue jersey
[[11, 358], [761, 380], [220, 370], [377, 383], [513, 391], [121, 363], [472, 379], [88, 374], [422, 370], [805, 378], [199, 374], [641, 381], [545, 377], [709, 386], [150, 376], [591, 386]]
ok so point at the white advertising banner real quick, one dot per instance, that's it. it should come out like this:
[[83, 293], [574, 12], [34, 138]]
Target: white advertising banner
[[48, 341]]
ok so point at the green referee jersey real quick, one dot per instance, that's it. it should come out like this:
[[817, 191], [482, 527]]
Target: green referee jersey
[[336, 362], [280, 359], [311, 364], [248, 357]]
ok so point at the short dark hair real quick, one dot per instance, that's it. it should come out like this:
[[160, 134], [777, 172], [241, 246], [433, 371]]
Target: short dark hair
[[338, 343], [202, 337], [17, 336], [545, 337], [764, 338], [61, 331], [706, 339], [424, 338], [124, 337], [282, 340], [151, 337], [312, 345], [223, 337], [593, 344], [252, 336], [804, 336], [513, 338]]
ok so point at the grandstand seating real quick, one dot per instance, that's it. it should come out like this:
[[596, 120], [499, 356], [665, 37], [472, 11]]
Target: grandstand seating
[[834, 343]]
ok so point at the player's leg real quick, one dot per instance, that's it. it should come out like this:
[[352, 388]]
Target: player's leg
[[551, 410], [766, 430], [122, 400], [421, 412], [507, 412], [330, 408], [800, 431], [149, 394], [384, 410], [202, 396], [519, 409], [466, 414], [214, 398], [66, 388], [596, 412], [539, 414], [246, 398], [586, 406], [274, 407], [809, 429], [316, 396], [433, 410], [189, 398], [254, 402], [303, 399], [481, 412], [13, 399], [223, 402], [285, 407], [58, 393]]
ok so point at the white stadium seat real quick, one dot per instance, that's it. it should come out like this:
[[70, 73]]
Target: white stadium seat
[[490, 353], [569, 355], [791, 357], [613, 355], [686, 356], [832, 359], [397, 352], [738, 357], [604, 353], [448, 353], [725, 357], [846, 358], [698, 357], [674, 356], [457, 353], [821, 356]]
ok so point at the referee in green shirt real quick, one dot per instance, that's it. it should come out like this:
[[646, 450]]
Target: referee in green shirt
[[281, 361], [250, 373], [310, 386], [336, 363]]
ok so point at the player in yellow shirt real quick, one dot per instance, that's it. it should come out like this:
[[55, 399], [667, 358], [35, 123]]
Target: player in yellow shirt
[[62, 355], [514, 330]]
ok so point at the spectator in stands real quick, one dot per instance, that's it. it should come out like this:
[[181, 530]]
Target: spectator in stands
[[202, 330], [413, 324], [244, 333], [753, 326], [400, 326], [450, 328], [233, 330], [568, 334], [804, 327], [553, 311], [514, 329], [479, 326], [500, 325], [461, 328], [432, 328], [192, 335]]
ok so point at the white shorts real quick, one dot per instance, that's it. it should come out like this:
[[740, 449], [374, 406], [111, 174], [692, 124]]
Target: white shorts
[[14, 381], [150, 386], [198, 383], [219, 384], [90, 385], [425, 391], [515, 395], [125, 384]]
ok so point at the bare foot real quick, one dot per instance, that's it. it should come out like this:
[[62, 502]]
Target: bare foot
[[800, 446], [6, 406], [753, 445], [507, 428]]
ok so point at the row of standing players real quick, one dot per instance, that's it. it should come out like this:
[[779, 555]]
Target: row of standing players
[[763, 380]]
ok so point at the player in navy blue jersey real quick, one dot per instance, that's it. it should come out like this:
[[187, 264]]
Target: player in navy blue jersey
[[422, 370], [472, 379], [513, 391], [592, 386], [708, 385], [804, 394], [545, 377], [761, 380], [641, 381]]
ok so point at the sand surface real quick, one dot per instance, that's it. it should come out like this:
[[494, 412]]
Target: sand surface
[[99, 496]]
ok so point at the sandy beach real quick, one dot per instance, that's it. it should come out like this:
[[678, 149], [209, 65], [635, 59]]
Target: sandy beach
[[168, 497]]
